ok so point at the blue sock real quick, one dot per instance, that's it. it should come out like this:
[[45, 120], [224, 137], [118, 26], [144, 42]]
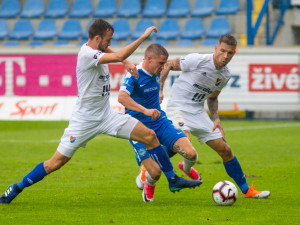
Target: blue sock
[[37, 174], [235, 171], [169, 152], [161, 158]]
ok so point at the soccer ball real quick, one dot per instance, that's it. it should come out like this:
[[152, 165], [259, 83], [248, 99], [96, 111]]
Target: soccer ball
[[224, 193]]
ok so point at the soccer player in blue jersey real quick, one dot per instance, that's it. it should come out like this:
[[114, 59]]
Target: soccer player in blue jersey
[[141, 100], [92, 114]]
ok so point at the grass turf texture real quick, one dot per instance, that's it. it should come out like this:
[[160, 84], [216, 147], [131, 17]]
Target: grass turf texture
[[98, 185]]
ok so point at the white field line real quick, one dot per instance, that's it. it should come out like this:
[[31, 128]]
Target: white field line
[[244, 128]]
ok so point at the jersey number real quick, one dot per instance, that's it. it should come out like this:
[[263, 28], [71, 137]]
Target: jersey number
[[106, 90], [198, 97]]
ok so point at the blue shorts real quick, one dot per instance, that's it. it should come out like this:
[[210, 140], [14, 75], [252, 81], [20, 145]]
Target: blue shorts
[[167, 135]]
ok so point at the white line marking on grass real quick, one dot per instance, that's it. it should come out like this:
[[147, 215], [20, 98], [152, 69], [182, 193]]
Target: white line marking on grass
[[244, 128], [263, 127]]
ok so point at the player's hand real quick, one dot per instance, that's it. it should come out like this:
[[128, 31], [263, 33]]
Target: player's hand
[[161, 96], [148, 32], [217, 124], [131, 68], [154, 113]]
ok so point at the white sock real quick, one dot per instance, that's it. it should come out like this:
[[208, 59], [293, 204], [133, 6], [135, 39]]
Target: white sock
[[149, 179], [188, 164]]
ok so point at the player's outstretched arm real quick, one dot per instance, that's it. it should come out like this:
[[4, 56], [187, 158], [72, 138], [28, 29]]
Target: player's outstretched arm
[[172, 64], [125, 52], [129, 66], [130, 104], [213, 104]]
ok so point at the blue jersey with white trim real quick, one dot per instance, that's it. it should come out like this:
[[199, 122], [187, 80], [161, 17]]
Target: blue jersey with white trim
[[144, 91]]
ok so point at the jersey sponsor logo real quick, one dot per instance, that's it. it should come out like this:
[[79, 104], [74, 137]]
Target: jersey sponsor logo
[[104, 77], [95, 56], [72, 139], [207, 90], [150, 89], [218, 82], [274, 78], [203, 74]]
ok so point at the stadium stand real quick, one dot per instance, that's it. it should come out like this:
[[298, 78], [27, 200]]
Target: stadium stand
[[218, 26], [130, 8], [193, 29], [85, 36], [140, 28], [22, 30], [227, 7], [60, 43], [71, 30], [179, 8], [155, 8], [161, 42], [36, 43], [210, 42], [122, 29], [33, 9], [46, 30], [106, 8], [4, 30], [203, 8], [184, 42], [57, 9], [169, 29], [81, 9], [11, 43], [10, 9]]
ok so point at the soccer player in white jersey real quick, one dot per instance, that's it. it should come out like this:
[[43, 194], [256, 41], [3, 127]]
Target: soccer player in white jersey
[[92, 114], [203, 77]]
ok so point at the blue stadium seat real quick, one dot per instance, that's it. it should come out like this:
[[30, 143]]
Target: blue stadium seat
[[155, 8], [80, 43], [129, 42], [46, 30], [60, 43], [179, 8], [22, 30], [193, 29], [36, 43], [33, 9], [10, 8], [11, 43], [106, 8], [81, 9], [227, 7], [71, 30], [57, 9], [114, 42], [169, 29], [218, 26], [185, 42], [161, 42], [122, 29], [130, 8], [86, 33], [140, 28], [4, 30], [203, 8], [210, 42]]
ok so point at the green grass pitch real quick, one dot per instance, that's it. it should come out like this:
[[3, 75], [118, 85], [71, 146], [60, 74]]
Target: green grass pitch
[[98, 185]]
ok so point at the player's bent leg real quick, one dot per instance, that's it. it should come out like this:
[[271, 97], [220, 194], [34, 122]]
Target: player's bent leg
[[56, 162], [221, 148], [184, 147], [154, 173]]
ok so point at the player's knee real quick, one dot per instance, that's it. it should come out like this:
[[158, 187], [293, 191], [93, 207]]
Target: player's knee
[[226, 153], [150, 137], [51, 166], [154, 173]]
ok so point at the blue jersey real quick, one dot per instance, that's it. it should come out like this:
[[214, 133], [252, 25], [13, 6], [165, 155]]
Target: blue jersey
[[144, 91]]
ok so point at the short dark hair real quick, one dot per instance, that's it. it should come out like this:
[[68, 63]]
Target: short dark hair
[[157, 50], [99, 27], [228, 39]]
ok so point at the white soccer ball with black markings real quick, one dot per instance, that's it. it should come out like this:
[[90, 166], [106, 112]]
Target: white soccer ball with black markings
[[224, 193]]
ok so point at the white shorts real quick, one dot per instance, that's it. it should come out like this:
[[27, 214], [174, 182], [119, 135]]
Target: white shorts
[[198, 124], [80, 131]]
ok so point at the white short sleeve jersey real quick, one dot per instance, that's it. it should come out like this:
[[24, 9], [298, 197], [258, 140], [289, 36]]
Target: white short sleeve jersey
[[93, 82], [198, 79]]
